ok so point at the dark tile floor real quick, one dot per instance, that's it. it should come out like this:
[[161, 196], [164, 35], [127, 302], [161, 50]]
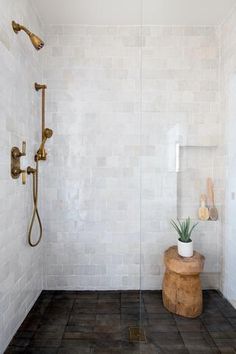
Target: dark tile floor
[[74, 322]]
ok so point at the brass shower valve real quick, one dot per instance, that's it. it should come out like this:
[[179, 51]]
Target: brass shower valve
[[16, 170]]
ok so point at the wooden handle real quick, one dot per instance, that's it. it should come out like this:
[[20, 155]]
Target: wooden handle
[[203, 212], [210, 190], [203, 200]]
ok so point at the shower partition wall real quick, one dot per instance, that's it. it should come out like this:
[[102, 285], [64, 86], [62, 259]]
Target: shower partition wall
[[92, 221], [131, 151], [181, 146]]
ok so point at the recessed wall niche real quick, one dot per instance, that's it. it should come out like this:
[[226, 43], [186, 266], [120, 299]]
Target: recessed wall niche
[[193, 166]]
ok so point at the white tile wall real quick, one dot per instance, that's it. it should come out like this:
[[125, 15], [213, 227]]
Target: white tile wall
[[114, 179], [20, 266], [180, 102], [228, 90]]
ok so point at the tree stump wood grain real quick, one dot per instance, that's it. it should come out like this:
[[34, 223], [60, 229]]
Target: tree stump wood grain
[[182, 292]]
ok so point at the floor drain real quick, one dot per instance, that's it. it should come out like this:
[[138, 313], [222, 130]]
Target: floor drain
[[137, 334]]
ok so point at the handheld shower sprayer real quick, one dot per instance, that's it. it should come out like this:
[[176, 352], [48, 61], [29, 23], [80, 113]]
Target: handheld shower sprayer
[[40, 155]]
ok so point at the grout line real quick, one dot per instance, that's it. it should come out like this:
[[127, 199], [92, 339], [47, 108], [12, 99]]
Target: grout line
[[179, 332], [40, 322], [206, 329], [212, 300]]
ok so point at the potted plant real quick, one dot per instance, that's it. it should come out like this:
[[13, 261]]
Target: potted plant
[[184, 229]]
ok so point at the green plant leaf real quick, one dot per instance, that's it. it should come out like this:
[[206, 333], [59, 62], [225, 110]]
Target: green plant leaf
[[183, 229], [176, 227], [190, 232]]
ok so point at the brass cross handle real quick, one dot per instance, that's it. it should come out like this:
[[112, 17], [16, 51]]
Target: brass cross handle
[[16, 153], [16, 172]]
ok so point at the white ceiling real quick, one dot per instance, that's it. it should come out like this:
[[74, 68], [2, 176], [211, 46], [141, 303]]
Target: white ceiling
[[128, 12]]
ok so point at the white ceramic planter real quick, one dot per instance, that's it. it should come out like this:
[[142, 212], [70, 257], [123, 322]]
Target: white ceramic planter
[[185, 249]]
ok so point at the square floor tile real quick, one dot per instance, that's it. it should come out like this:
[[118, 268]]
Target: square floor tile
[[84, 322]]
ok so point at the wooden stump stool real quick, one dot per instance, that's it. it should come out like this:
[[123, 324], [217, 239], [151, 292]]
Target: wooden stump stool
[[182, 292]]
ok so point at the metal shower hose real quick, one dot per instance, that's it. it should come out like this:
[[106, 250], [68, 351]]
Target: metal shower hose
[[35, 211]]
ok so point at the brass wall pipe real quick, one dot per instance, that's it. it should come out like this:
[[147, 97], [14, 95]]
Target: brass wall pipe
[[43, 88], [46, 132], [43, 112]]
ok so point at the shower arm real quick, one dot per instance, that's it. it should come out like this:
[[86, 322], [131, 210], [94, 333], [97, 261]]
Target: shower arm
[[23, 28], [17, 28]]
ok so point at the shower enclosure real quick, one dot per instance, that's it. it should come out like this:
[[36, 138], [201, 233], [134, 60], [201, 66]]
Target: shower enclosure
[[95, 82], [131, 106], [136, 111]]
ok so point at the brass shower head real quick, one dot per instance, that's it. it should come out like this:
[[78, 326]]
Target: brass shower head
[[36, 41], [47, 134]]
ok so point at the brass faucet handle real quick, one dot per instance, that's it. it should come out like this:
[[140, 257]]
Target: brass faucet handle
[[23, 151], [16, 172], [16, 153], [23, 176]]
